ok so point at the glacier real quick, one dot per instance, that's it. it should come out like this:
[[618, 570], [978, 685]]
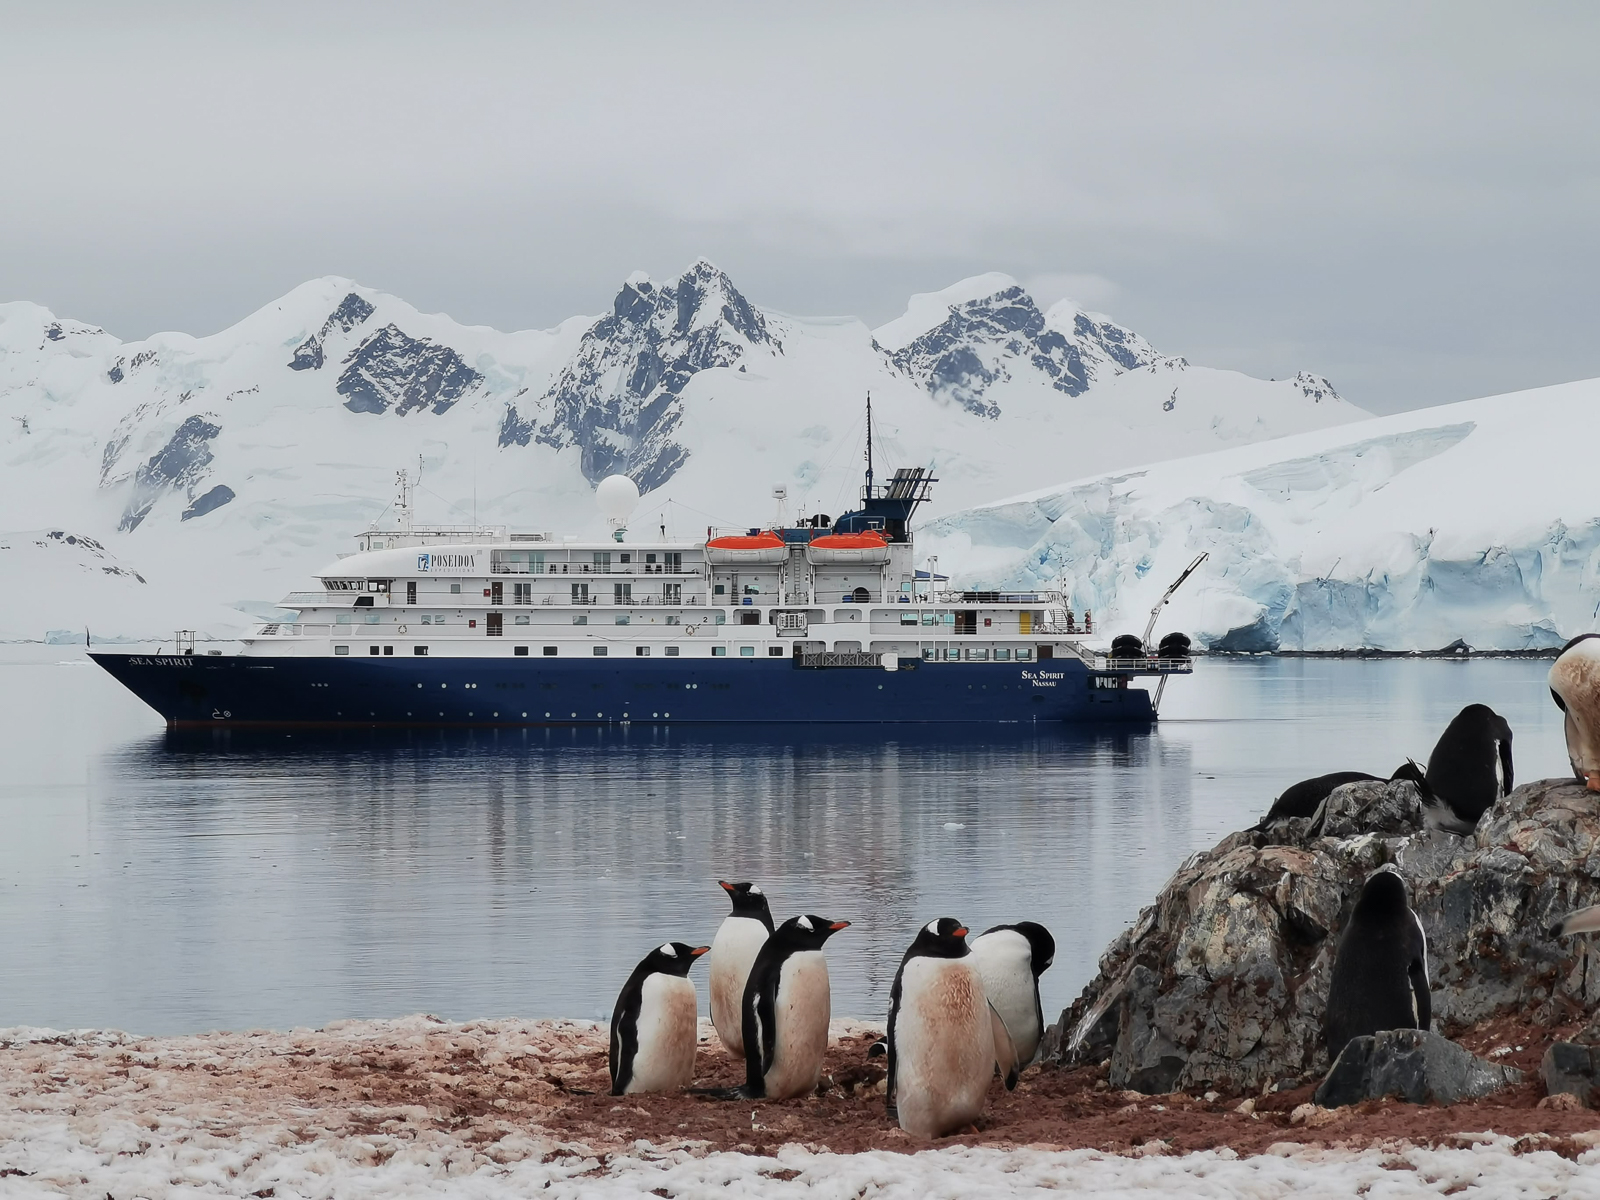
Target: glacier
[[190, 482], [1473, 522]]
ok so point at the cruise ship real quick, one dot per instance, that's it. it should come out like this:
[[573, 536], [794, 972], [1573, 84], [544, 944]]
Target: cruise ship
[[816, 621]]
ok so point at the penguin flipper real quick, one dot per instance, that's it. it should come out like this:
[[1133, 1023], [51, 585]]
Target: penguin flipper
[[1583, 920], [1005, 1050]]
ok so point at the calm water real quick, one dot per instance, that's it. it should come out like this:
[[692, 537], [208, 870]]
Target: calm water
[[162, 884]]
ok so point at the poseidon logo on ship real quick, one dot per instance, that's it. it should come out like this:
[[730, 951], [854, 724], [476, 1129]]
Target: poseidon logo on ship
[[445, 562]]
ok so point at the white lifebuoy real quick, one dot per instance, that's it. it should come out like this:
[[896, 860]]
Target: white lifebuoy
[[402, 629]]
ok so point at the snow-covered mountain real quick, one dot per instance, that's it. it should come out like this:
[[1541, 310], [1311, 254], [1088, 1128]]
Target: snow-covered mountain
[[184, 481], [1476, 521]]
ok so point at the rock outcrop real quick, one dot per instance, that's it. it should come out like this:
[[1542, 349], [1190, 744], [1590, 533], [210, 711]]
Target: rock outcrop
[[1409, 1064], [1222, 981], [1572, 1069]]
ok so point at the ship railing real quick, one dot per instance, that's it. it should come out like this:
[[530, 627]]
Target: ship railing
[[1042, 599], [592, 569], [1145, 664]]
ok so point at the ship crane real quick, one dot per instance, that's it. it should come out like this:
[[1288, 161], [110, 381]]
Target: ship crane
[[1155, 613]]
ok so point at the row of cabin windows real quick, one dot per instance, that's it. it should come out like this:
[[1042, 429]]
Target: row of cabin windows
[[532, 562], [953, 654]]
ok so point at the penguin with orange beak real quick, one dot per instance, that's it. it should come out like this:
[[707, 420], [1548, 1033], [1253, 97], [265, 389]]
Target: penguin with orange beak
[[654, 1026], [1575, 687]]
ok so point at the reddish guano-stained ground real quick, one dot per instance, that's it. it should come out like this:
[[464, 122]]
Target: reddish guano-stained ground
[[495, 1083]]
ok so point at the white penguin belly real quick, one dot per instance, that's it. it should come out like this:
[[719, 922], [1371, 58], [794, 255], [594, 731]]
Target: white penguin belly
[[668, 1010], [801, 1016], [733, 951], [1576, 678], [943, 1046], [1004, 960]]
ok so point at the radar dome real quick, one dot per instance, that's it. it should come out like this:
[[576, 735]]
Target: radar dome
[[617, 497]]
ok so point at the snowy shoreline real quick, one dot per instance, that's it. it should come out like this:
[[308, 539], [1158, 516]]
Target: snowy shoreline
[[420, 1107]]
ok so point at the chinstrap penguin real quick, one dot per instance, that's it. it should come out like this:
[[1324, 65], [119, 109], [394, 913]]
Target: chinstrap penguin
[[1575, 687], [739, 939], [942, 1034], [653, 1028], [1380, 973], [786, 1006], [1010, 959], [1470, 768]]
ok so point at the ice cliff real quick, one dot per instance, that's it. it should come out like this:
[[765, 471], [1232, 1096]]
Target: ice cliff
[[1475, 521]]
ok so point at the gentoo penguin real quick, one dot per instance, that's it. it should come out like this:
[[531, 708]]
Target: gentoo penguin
[[1575, 687], [1304, 798], [1470, 767], [653, 1030], [1583, 920], [1380, 973], [739, 939], [786, 1008], [1010, 959], [942, 1031]]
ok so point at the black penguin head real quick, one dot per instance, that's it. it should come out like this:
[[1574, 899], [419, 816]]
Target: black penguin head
[[671, 958], [748, 901], [1041, 946], [944, 938], [808, 932], [1384, 894]]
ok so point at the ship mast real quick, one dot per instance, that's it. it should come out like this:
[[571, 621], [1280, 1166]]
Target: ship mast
[[869, 447]]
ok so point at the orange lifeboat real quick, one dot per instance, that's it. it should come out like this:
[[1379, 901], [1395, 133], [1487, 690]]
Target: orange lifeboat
[[764, 547], [867, 548]]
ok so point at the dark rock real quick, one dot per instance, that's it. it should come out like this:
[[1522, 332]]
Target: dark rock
[[307, 355], [212, 500], [180, 464], [352, 311], [1378, 806], [391, 369], [1573, 1069], [1415, 1065], [983, 340], [618, 398], [1229, 968]]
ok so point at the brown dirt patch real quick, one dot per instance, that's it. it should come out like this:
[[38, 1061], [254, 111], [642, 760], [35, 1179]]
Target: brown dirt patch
[[484, 1081]]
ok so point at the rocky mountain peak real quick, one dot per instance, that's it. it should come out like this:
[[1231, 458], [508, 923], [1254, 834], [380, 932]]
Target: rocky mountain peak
[[990, 338], [619, 397]]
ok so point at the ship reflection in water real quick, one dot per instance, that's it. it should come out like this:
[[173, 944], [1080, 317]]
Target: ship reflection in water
[[243, 880], [224, 879]]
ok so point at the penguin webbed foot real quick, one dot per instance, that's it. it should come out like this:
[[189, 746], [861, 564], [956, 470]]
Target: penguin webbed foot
[[723, 1093]]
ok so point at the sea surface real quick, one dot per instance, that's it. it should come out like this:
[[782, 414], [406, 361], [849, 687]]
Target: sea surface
[[164, 883]]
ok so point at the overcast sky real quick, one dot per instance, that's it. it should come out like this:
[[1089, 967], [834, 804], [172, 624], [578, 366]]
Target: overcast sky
[[1404, 198]]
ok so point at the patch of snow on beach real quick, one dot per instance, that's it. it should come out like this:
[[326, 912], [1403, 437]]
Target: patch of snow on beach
[[92, 1114]]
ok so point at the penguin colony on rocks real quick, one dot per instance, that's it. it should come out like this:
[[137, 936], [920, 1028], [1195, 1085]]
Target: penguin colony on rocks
[[959, 1012], [962, 1009], [1380, 968]]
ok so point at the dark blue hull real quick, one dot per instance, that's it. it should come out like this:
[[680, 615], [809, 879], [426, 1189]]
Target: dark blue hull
[[202, 690]]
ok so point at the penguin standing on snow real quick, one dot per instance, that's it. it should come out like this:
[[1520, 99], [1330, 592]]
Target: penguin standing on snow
[[1575, 687], [1380, 973], [786, 1009], [942, 1034], [653, 1030], [1470, 767], [739, 939], [1010, 959]]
